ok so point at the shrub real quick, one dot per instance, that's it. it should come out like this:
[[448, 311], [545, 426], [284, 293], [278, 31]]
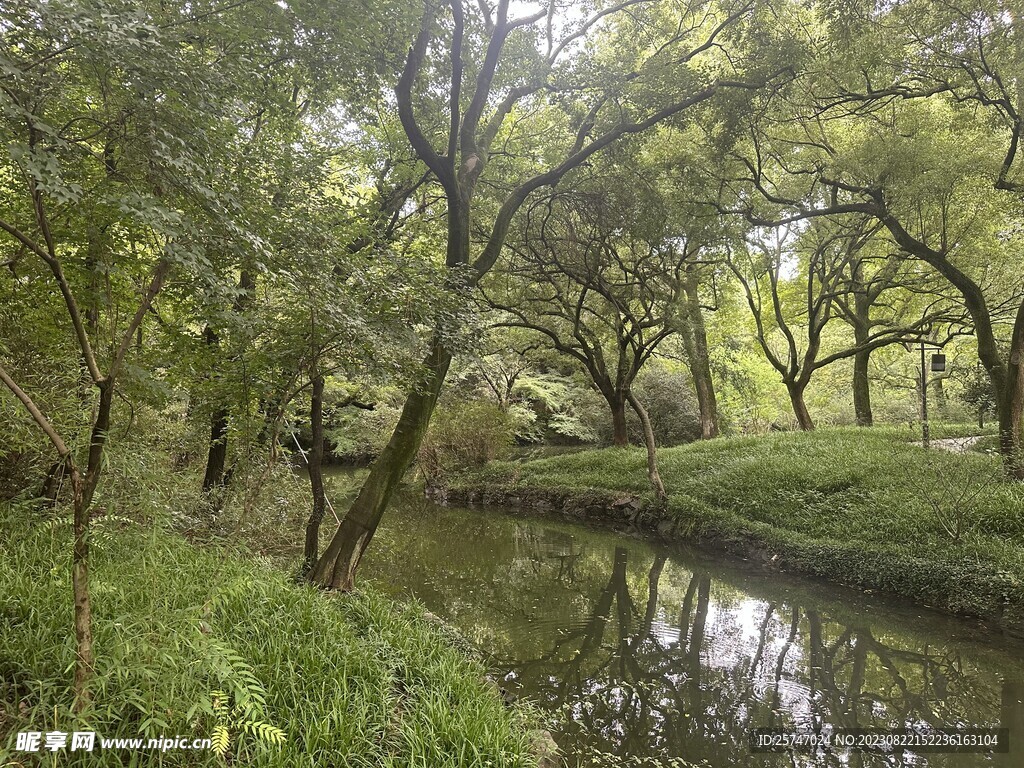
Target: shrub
[[464, 436], [670, 402]]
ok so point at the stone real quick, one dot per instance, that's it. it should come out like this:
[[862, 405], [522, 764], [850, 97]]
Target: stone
[[544, 747]]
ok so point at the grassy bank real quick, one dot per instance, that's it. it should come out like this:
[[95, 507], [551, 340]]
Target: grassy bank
[[855, 506], [197, 642]]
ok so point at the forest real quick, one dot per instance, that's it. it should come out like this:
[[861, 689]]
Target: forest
[[285, 284]]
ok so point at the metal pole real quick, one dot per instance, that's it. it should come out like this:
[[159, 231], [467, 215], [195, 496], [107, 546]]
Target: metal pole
[[924, 401]]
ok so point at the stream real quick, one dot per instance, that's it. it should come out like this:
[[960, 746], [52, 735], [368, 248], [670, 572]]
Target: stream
[[643, 654]]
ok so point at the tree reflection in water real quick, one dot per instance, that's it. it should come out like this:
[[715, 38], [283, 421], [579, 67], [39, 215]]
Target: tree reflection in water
[[646, 655], [666, 690]]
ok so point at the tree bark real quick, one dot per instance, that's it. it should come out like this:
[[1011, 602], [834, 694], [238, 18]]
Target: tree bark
[[652, 451], [316, 475], [939, 394], [84, 658], [695, 341], [617, 404], [1011, 404], [861, 366], [336, 568], [796, 397], [862, 389], [84, 489], [52, 482], [216, 458]]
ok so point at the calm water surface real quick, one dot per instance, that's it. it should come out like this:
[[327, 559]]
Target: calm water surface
[[643, 653]]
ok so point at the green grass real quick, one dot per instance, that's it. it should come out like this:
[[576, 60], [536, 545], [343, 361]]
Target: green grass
[[854, 505], [351, 680]]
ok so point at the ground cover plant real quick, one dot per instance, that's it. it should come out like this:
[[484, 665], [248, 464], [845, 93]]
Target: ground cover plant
[[198, 642]]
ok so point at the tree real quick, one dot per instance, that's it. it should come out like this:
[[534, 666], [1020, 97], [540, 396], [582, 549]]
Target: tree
[[960, 62], [116, 133], [936, 211], [822, 258], [513, 74], [599, 294]]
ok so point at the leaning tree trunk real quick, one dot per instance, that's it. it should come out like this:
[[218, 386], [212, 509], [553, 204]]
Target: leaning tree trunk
[[336, 568], [652, 452], [695, 342], [796, 397], [316, 474]]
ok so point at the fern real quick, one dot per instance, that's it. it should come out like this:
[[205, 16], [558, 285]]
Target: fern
[[220, 740], [264, 731]]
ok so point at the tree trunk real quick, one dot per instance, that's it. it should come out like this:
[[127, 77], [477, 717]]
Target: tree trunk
[[861, 382], [796, 397], [84, 658], [336, 568], [695, 342], [652, 452], [316, 475], [939, 394], [1011, 404], [617, 404], [84, 489], [216, 459], [52, 482], [862, 389]]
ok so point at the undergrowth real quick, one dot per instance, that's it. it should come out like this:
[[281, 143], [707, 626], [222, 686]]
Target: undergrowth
[[200, 643]]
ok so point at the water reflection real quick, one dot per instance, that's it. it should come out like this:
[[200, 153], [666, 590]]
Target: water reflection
[[652, 655]]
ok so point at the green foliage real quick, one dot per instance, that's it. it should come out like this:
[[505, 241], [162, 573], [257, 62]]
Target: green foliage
[[553, 407], [464, 436], [667, 395], [199, 642]]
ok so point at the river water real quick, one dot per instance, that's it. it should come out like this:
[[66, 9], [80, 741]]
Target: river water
[[645, 655]]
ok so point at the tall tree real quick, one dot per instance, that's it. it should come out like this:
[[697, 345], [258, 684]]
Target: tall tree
[[117, 118], [537, 66], [920, 170], [780, 268], [692, 329]]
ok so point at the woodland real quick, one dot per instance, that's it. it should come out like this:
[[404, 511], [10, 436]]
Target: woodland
[[244, 241]]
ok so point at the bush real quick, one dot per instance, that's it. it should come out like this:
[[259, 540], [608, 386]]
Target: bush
[[464, 436], [671, 403], [553, 408]]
